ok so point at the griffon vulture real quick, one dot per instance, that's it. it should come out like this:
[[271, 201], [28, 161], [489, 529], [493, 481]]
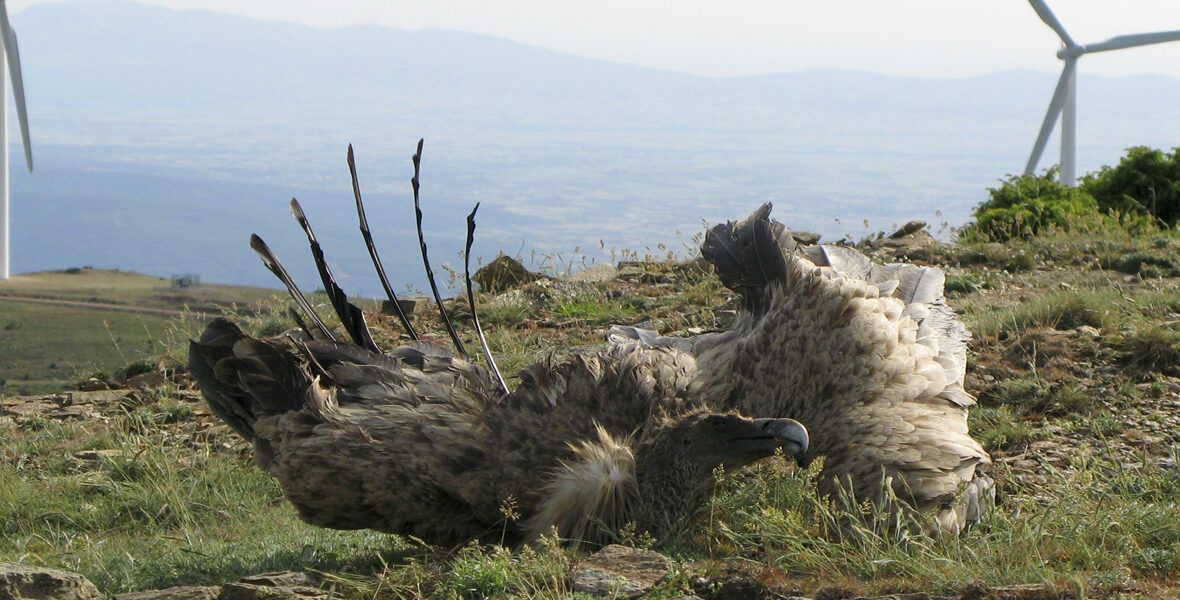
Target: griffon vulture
[[412, 442], [421, 442]]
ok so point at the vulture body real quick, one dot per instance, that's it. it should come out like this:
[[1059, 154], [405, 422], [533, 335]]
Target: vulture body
[[423, 443], [869, 356]]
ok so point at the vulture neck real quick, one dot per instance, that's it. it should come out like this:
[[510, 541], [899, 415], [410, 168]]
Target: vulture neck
[[667, 494]]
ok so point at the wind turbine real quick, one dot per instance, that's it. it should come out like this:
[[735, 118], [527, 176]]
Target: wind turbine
[[8, 48], [1065, 97]]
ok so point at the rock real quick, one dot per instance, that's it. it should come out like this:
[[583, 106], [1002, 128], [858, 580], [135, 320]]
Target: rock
[[978, 590], [1087, 331], [806, 238], [503, 274], [151, 379], [731, 584], [407, 305], [246, 591], [24, 582], [834, 592], [98, 454], [290, 585], [910, 596], [908, 229], [600, 273], [630, 271], [92, 384], [183, 592], [620, 572], [289, 578]]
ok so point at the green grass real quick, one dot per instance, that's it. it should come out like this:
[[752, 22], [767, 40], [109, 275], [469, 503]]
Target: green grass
[[1056, 310], [47, 348], [169, 508], [133, 289], [157, 513]]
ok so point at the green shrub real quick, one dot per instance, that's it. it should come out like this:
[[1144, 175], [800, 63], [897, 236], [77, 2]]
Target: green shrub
[[1025, 205], [1145, 263], [1146, 182]]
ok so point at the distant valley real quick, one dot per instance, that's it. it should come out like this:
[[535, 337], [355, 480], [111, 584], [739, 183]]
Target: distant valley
[[164, 138]]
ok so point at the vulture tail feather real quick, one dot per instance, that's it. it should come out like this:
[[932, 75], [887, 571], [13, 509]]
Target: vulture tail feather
[[748, 256], [227, 401], [294, 312], [351, 316], [417, 158], [483, 342], [365, 233], [274, 266]]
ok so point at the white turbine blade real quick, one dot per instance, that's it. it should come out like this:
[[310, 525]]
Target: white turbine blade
[[1055, 106], [1137, 39], [1050, 19], [18, 84]]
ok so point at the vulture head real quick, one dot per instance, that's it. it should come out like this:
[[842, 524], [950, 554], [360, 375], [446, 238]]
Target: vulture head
[[654, 479], [675, 467]]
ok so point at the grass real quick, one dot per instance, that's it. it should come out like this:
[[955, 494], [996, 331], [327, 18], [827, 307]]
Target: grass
[[132, 289], [159, 514], [173, 501], [156, 513], [50, 347], [47, 348]]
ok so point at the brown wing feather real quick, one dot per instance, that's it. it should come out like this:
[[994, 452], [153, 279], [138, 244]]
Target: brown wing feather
[[871, 359]]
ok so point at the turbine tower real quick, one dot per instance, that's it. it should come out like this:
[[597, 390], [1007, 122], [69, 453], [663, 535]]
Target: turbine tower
[[8, 48], [1065, 97]]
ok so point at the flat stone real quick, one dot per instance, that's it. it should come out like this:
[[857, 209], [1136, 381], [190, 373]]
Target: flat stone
[[92, 385], [599, 273], [620, 572], [182, 592], [247, 591], [151, 379], [908, 229], [98, 454], [807, 238], [283, 578], [408, 305], [24, 582]]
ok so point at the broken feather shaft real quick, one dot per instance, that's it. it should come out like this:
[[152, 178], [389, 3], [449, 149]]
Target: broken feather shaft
[[272, 263], [483, 342], [364, 224], [351, 316], [417, 158]]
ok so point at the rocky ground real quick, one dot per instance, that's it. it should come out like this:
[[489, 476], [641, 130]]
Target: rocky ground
[[1062, 392]]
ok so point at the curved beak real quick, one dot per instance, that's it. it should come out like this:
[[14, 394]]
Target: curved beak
[[791, 435]]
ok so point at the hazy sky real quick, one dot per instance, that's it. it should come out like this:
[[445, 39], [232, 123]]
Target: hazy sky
[[927, 38]]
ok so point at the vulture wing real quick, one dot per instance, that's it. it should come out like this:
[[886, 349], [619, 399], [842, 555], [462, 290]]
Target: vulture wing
[[868, 356]]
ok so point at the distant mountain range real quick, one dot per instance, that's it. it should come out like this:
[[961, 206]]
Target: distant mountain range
[[163, 138]]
